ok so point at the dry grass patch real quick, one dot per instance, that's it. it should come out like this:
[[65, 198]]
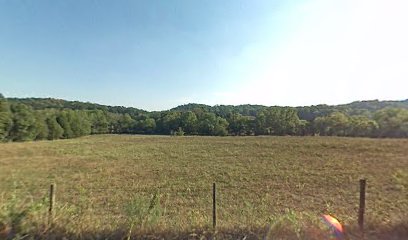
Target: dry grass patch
[[259, 179]]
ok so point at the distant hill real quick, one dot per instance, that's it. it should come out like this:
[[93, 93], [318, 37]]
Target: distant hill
[[246, 109], [366, 108], [373, 105], [47, 103], [23, 119], [305, 112]]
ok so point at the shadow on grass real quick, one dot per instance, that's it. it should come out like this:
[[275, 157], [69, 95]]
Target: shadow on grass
[[375, 232], [379, 231]]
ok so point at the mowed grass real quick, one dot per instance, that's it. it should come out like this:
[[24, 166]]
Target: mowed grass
[[258, 178]]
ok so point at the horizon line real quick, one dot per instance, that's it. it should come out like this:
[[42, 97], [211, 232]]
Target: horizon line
[[109, 105]]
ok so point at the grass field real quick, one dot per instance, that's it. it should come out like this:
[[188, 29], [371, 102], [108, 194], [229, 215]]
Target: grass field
[[106, 183]]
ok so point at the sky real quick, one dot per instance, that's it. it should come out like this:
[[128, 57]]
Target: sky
[[156, 55]]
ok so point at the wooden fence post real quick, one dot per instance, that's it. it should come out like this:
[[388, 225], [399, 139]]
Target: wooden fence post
[[361, 208], [214, 208], [52, 203]]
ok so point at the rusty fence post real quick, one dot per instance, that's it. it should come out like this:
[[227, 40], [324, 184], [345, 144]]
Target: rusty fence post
[[361, 208], [52, 203], [214, 208]]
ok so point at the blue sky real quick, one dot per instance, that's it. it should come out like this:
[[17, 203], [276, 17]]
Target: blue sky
[[156, 55]]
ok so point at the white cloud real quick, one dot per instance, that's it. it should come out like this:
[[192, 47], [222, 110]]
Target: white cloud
[[333, 52]]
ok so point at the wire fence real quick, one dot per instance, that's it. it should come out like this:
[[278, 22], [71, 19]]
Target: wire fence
[[215, 202]]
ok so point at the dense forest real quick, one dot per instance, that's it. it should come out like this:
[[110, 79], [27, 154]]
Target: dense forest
[[24, 119]]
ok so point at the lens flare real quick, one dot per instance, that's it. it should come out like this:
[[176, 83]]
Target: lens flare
[[334, 225]]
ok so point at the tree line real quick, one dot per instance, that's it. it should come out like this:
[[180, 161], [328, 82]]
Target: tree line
[[38, 119]]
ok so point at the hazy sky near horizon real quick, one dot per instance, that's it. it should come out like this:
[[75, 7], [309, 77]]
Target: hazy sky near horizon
[[156, 54]]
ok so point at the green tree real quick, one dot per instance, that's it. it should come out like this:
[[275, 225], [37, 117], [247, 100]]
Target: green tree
[[125, 123], [393, 122], [147, 125], [178, 132], [55, 131], [169, 122], [24, 124], [362, 126], [221, 127], [210, 124], [277, 121], [75, 123], [339, 124], [63, 120], [290, 122], [304, 128], [336, 124], [6, 119], [99, 121], [188, 122], [41, 125], [80, 124], [260, 124], [238, 124], [321, 126]]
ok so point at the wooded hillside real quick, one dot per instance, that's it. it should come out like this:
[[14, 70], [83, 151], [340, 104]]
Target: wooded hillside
[[23, 119]]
